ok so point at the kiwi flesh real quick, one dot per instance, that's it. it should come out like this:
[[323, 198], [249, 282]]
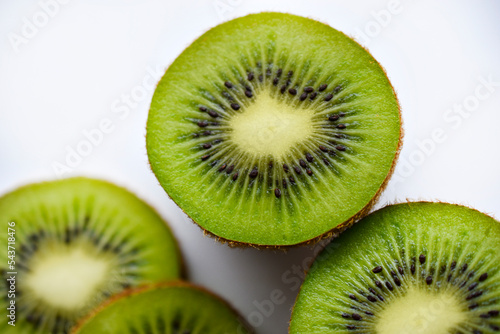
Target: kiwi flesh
[[411, 268], [170, 308], [77, 242], [273, 130]]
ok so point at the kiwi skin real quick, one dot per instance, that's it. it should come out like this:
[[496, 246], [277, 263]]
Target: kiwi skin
[[336, 231], [396, 203], [143, 288]]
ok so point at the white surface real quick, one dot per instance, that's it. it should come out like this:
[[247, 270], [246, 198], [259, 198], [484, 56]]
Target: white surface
[[66, 78]]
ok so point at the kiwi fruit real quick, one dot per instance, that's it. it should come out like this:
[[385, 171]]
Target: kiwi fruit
[[74, 243], [274, 130], [169, 308], [413, 268]]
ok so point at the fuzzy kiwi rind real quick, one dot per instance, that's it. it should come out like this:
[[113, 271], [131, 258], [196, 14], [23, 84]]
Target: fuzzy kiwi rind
[[385, 223], [90, 216], [276, 237], [243, 327]]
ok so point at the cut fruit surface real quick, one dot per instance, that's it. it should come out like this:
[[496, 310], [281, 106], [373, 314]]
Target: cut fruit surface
[[173, 308], [415, 268], [273, 129], [74, 243]]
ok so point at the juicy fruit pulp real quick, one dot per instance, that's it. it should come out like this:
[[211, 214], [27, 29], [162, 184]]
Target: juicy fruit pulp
[[176, 308], [412, 268], [78, 241], [273, 129]]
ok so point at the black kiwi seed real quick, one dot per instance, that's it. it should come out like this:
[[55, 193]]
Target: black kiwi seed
[[235, 106], [248, 93], [303, 96], [464, 267], [397, 281], [421, 258], [389, 286], [202, 108], [333, 117], [351, 327], [412, 268], [474, 295], [309, 172], [302, 163], [202, 124], [285, 168], [309, 157], [328, 97], [322, 87], [356, 316], [275, 81], [473, 306], [292, 180], [230, 169], [379, 284], [253, 174], [337, 89], [228, 84], [372, 291], [205, 157], [213, 113], [325, 160], [277, 193], [313, 96], [377, 269], [428, 280], [453, 265], [235, 176], [283, 89], [494, 313], [401, 271], [207, 145], [222, 167], [297, 170], [308, 89], [341, 126], [292, 91], [340, 148], [473, 286], [284, 184], [323, 148], [345, 315], [353, 297], [261, 77], [371, 298], [250, 76]]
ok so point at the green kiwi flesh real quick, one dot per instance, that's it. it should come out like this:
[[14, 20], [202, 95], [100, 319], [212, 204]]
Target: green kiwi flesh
[[413, 268], [173, 308], [273, 130], [77, 242]]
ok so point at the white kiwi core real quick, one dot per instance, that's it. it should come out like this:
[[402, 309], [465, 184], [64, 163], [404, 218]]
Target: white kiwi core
[[67, 277], [270, 127], [422, 311]]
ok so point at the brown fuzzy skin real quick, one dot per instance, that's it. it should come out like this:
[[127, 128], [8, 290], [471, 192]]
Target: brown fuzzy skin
[[144, 288], [402, 202], [339, 228]]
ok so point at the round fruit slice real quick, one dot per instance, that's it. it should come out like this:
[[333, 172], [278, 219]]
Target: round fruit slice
[[274, 129], [411, 268], [173, 308], [72, 244]]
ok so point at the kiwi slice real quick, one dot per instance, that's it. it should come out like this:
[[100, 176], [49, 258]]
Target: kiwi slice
[[413, 268], [170, 308], [76, 242], [273, 129]]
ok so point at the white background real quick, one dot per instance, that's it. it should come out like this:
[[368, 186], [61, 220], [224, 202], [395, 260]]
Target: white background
[[64, 77]]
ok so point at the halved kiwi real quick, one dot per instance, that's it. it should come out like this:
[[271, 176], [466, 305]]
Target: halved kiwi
[[74, 243], [413, 268], [171, 308], [274, 129]]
